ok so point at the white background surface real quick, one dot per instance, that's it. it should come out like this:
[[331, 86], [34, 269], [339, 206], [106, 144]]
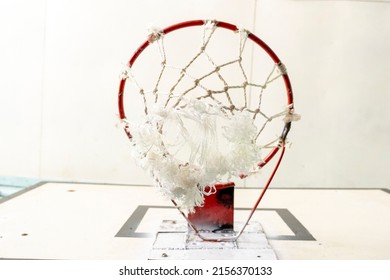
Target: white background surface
[[60, 61]]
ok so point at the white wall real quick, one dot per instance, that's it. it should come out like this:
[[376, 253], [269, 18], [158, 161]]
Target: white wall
[[60, 61], [22, 26], [337, 56]]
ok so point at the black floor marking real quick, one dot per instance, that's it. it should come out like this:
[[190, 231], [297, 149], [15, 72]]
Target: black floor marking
[[129, 228]]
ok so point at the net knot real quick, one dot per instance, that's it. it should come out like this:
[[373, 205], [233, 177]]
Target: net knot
[[291, 116], [155, 33], [125, 73], [282, 68], [243, 32], [210, 24], [209, 190]]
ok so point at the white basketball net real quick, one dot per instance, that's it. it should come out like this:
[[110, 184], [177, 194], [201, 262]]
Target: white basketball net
[[200, 129]]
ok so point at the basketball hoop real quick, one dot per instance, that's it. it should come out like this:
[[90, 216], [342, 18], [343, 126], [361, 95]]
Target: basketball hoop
[[207, 113]]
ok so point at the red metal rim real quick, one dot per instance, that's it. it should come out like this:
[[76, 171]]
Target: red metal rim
[[225, 25]]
